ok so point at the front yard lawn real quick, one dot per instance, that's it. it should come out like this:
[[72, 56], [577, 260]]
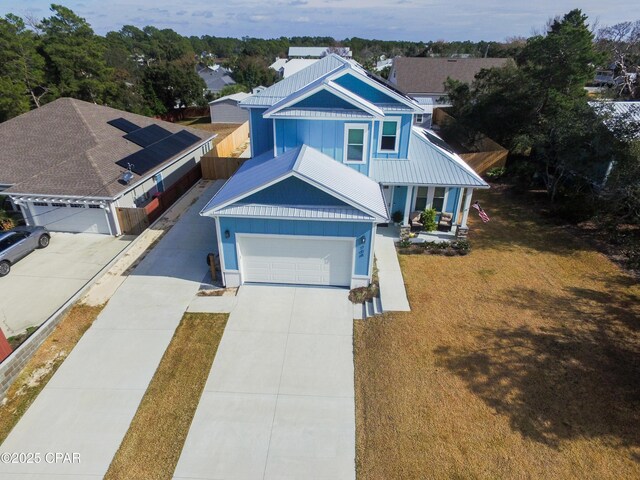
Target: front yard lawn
[[520, 360]]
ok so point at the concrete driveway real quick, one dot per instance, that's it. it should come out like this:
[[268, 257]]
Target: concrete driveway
[[279, 400], [44, 280], [88, 404]]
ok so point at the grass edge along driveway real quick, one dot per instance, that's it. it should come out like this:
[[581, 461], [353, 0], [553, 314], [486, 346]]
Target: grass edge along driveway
[[152, 445]]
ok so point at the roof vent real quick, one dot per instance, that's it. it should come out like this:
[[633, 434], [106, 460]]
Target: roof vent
[[127, 175]]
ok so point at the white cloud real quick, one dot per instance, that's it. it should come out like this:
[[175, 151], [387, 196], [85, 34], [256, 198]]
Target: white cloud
[[385, 19]]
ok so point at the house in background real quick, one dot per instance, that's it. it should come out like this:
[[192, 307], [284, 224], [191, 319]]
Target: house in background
[[424, 77], [226, 109], [215, 77], [319, 52], [335, 153], [70, 164]]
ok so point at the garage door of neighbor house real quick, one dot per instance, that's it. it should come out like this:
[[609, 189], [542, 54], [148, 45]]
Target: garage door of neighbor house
[[68, 218], [296, 260]]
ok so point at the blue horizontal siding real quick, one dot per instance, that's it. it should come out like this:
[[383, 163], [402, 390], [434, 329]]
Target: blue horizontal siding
[[324, 99], [293, 191], [261, 131], [364, 90], [326, 136], [355, 230], [405, 135]]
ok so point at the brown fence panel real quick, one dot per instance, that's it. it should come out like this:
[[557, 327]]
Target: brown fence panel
[[156, 207], [483, 161], [133, 221], [217, 168], [232, 142]]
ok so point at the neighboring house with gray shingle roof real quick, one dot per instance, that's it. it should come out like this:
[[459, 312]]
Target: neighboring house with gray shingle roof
[[216, 78], [425, 76], [63, 163]]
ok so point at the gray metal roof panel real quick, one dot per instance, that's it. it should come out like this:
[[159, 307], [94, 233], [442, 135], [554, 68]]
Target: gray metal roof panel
[[310, 165], [343, 180], [427, 165], [337, 113], [295, 82], [253, 173], [295, 212]]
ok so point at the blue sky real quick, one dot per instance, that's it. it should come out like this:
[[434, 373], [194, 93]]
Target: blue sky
[[384, 19]]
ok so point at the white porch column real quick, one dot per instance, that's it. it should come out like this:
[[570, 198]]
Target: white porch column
[[467, 205], [407, 205]]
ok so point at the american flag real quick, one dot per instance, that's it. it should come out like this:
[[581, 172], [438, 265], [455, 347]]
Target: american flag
[[481, 213]]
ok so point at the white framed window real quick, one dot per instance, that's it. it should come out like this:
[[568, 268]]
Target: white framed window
[[419, 118], [388, 138], [355, 142], [431, 197], [422, 194], [439, 196]]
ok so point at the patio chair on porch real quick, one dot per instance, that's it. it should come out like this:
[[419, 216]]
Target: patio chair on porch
[[446, 220], [415, 220]]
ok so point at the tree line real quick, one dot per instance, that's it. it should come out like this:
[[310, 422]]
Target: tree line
[[579, 150], [151, 71]]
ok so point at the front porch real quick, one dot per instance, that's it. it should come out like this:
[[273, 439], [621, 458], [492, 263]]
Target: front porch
[[403, 200], [394, 232]]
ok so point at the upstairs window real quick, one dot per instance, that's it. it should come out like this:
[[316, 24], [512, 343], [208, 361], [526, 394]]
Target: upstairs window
[[389, 136], [355, 140]]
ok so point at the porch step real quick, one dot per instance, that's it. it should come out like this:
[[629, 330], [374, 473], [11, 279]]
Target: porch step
[[372, 308], [377, 306]]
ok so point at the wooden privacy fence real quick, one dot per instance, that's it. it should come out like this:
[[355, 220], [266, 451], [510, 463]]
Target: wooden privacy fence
[[485, 153], [219, 168], [134, 221], [231, 142]]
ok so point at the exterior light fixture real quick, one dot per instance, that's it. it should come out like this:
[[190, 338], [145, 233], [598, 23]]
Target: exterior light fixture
[[362, 240], [227, 234]]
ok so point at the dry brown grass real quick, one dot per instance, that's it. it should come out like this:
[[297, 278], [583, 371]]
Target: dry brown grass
[[44, 364], [151, 448], [520, 360]]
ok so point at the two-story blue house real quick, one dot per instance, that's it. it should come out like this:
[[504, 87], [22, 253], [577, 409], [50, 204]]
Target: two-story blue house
[[335, 152]]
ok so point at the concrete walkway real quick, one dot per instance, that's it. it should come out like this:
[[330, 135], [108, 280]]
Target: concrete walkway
[[279, 401], [89, 403], [393, 295]]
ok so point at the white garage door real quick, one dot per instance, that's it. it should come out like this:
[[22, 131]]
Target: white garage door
[[296, 260], [70, 217]]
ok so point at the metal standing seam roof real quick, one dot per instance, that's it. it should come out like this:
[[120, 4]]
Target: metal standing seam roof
[[311, 166], [237, 97], [297, 81], [294, 212], [627, 111], [427, 165], [333, 113]]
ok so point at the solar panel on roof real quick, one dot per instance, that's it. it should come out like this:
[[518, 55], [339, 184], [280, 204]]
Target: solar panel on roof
[[124, 125], [159, 152], [438, 141], [148, 135]]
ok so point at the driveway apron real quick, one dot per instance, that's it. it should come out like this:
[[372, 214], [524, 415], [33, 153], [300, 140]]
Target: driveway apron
[[87, 406], [279, 400]]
